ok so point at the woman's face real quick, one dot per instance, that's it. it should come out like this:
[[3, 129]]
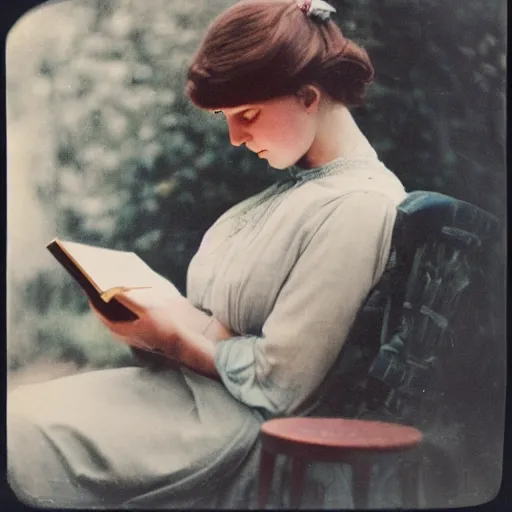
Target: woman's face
[[280, 130]]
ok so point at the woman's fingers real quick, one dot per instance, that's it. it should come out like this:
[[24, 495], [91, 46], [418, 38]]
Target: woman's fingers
[[156, 325], [137, 301], [96, 312], [143, 299], [120, 329]]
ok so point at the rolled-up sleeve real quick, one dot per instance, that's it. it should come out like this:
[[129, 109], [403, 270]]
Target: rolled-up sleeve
[[339, 263]]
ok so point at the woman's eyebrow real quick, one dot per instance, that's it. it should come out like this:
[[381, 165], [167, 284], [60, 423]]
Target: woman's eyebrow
[[242, 110]]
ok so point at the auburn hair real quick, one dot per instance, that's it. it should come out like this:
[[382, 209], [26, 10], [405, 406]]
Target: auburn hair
[[263, 49]]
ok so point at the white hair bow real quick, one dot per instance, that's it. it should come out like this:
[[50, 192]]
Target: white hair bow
[[317, 9]]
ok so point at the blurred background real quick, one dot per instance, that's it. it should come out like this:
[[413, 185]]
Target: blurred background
[[104, 148]]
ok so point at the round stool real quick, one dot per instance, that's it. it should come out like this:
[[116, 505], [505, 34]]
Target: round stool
[[336, 440]]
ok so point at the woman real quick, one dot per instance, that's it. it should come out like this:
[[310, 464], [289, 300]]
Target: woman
[[283, 275]]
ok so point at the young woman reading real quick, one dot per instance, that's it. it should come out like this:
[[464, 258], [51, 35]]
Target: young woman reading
[[283, 275]]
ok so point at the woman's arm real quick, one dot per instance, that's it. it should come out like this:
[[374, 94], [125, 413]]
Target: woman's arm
[[279, 371], [196, 351], [171, 326]]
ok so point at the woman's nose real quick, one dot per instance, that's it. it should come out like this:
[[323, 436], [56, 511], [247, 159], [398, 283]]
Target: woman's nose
[[237, 134]]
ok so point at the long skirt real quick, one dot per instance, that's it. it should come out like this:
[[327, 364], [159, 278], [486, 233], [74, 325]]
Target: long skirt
[[143, 438]]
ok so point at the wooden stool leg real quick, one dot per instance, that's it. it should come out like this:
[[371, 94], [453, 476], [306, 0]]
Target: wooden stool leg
[[361, 473], [267, 460], [297, 481], [410, 476]]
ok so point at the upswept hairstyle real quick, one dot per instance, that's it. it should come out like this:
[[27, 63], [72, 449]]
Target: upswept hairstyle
[[263, 49]]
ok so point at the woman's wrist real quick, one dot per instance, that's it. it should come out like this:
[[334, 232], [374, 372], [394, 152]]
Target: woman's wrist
[[189, 335], [196, 351], [169, 345], [216, 331]]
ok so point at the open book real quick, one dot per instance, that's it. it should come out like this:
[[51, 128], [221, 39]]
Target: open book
[[103, 273]]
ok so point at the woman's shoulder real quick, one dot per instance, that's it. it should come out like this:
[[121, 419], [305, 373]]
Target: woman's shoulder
[[369, 184]]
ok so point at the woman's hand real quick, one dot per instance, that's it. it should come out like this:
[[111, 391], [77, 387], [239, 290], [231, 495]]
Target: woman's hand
[[156, 328], [166, 323]]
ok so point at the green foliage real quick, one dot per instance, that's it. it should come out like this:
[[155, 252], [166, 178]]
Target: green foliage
[[65, 336], [139, 168], [436, 111]]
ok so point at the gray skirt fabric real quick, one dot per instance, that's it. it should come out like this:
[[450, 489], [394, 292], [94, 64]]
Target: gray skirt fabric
[[131, 437], [149, 439]]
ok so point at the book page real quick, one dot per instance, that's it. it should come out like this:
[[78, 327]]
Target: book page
[[108, 268]]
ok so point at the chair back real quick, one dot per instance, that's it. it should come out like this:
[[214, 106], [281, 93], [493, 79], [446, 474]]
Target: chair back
[[426, 349], [438, 349]]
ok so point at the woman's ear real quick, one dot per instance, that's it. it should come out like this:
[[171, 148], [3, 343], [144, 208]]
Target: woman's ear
[[309, 96]]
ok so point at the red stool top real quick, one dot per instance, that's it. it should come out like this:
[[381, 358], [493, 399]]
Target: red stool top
[[338, 433]]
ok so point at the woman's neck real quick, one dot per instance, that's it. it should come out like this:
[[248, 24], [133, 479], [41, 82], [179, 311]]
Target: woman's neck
[[337, 136]]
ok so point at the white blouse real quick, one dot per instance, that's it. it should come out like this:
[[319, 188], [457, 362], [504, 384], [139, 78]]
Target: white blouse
[[287, 270]]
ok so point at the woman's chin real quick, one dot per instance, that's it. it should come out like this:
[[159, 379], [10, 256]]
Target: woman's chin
[[276, 164], [275, 161]]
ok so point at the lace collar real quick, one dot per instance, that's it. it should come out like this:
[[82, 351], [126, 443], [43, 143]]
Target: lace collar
[[335, 166]]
